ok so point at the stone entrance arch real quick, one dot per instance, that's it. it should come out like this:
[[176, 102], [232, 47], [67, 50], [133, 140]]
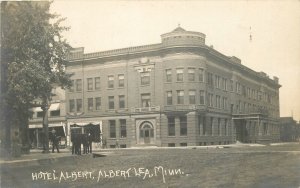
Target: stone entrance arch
[[146, 132]]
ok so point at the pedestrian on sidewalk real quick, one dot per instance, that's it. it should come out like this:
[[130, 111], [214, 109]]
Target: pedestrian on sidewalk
[[55, 140], [90, 142]]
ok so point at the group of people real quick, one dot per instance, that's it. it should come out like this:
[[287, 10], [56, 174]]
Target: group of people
[[79, 140]]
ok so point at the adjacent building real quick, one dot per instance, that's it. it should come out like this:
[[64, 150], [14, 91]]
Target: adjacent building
[[289, 129], [56, 120], [179, 92]]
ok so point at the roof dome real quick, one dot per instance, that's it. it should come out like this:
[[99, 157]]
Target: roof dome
[[180, 36], [178, 29]]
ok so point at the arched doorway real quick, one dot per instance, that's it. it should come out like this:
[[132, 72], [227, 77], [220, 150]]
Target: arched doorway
[[146, 132]]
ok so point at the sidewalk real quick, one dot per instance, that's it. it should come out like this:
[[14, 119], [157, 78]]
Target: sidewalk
[[36, 157]]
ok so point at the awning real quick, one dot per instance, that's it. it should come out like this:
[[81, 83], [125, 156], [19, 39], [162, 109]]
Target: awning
[[82, 124], [53, 107], [35, 126]]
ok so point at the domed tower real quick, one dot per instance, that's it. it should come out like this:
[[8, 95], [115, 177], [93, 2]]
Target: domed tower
[[180, 36]]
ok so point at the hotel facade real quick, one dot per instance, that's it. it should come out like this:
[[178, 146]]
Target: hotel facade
[[179, 92]]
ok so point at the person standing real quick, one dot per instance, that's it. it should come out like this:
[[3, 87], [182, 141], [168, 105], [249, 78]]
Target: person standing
[[90, 141], [54, 139]]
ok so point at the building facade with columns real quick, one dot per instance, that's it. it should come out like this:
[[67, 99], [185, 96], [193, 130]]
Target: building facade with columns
[[179, 92]]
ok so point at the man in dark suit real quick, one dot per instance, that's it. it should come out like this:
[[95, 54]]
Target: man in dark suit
[[90, 142], [54, 139], [84, 140]]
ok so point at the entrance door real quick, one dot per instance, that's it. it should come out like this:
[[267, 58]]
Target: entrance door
[[241, 131], [147, 136], [146, 133]]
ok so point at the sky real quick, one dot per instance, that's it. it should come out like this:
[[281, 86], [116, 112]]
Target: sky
[[273, 25]]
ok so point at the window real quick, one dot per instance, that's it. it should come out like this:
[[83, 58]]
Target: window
[[210, 100], [145, 78], [222, 83], [231, 85], [79, 105], [218, 82], [191, 74], [218, 101], [238, 88], [219, 126], [72, 105], [78, 85], [171, 144], [179, 75], [111, 102], [110, 83], [171, 126], [210, 80], [169, 98], [112, 128], [40, 114], [244, 93], [123, 132], [169, 75], [90, 84], [98, 103], [192, 97], [183, 144], [222, 103], [145, 99], [121, 80], [55, 113], [180, 97], [201, 75], [202, 97], [183, 126], [248, 92], [121, 101], [90, 104], [225, 84], [72, 86], [97, 83]]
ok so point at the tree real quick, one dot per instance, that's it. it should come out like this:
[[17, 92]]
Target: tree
[[33, 59]]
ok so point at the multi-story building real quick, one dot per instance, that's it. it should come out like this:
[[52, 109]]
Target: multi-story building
[[179, 92]]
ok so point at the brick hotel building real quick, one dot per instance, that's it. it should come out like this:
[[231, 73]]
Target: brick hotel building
[[179, 92]]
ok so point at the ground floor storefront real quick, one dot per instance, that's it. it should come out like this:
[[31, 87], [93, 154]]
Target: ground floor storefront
[[36, 134], [170, 129], [174, 129]]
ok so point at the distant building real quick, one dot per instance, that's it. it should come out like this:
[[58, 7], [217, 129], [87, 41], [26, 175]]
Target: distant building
[[179, 92], [56, 119], [289, 129]]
